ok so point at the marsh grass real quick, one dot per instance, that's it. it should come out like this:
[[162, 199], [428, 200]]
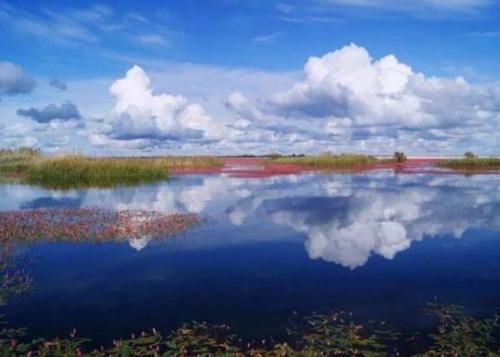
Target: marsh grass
[[76, 171], [326, 160], [17, 162], [472, 163]]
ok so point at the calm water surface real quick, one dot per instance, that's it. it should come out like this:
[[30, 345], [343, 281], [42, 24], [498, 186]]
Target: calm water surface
[[379, 244]]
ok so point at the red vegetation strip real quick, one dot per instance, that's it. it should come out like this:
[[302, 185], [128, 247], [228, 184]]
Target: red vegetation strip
[[80, 224], [257, 167]]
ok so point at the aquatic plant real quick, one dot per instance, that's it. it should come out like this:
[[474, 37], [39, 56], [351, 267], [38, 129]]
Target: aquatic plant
[[16, 162], [335, 333], [78, 171], [74, 171], [472, 163], [458, 334], [12, 280], [327, 335], [82, 224], [326, 160]]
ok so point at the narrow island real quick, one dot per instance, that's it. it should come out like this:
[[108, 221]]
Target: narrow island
[[31, 166], [471, 162]]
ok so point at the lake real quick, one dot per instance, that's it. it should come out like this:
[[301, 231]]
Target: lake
[[378, 244]]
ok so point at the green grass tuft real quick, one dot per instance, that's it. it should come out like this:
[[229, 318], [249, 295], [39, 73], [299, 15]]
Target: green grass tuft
[[473, 163], [76, 171]]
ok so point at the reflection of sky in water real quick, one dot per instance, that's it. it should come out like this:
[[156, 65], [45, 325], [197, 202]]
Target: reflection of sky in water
[[344, 219], [378, 244]]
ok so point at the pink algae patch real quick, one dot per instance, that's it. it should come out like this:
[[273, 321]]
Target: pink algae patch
[[257, 167], [82, 224]]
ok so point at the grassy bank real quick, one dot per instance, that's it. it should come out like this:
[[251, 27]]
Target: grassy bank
[[74, 171], [325, 160], [78, 171], [15, 163], [474, 163]]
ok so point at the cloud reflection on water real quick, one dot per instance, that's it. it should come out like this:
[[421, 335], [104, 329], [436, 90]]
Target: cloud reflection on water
[[344, 218]]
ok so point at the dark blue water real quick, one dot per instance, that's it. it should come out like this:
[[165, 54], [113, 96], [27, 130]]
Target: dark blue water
[[379, 245]]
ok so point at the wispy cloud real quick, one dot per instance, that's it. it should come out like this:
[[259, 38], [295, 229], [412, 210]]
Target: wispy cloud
[[151, 40], [412, 6], [90, 25], [485, 34], [268, 38]]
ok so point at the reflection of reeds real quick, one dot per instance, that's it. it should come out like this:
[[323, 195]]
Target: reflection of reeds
[[81, 224], [326, 160]]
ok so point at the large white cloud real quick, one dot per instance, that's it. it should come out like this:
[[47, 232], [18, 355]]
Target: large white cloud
[[141, 114], [349, 101], [348, 85], [343, 101]]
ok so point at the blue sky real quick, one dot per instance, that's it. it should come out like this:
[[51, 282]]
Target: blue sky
[[231, 75]]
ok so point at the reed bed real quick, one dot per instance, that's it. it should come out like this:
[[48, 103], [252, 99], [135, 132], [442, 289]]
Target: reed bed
[[17, 162], [326, 160], [76, 171], [473, 163], [90, 224]]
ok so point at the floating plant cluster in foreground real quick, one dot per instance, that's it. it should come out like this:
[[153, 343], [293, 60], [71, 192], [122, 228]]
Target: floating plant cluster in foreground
[[333, 334], [80, 224]]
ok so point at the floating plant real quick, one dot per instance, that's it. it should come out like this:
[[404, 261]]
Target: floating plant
[[80, 224]]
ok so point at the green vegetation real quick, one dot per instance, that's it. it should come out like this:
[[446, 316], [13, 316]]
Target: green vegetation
[[471, 162], [326, 160], [330, 334], [320, 335], [78, 171], [74, 171], [16, 162]]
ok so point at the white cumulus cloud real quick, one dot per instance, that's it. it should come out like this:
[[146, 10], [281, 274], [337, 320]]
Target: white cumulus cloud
[[139, 113], [350, 84]]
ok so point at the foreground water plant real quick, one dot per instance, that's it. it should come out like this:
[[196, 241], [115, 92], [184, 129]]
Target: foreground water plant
[[84, 224], [329, 334], [332, 334]]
